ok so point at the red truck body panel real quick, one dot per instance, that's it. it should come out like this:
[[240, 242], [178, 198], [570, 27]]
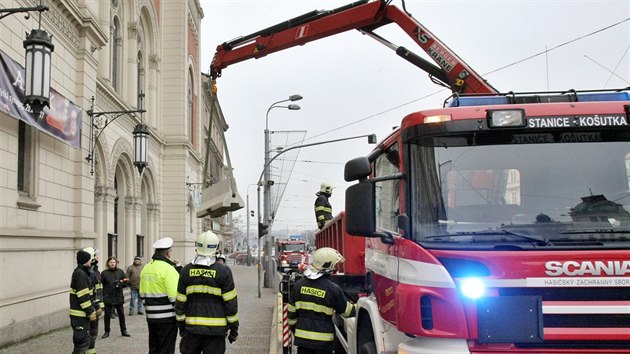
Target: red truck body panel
[[351, 247]]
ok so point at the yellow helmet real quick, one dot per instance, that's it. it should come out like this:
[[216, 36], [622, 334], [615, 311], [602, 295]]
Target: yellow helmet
[[207, 244], [325, 259], [326, 188]]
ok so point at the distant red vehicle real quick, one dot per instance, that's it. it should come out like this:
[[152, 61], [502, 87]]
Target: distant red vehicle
[[289, 254]]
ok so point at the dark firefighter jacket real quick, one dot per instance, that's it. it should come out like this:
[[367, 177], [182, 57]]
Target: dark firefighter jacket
[[206, 299], [158, 289], [311, 306], [95, 277], [81, 293], [112, 287], [323, 210]]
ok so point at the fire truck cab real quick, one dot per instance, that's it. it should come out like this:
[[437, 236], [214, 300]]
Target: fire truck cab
[[497, 224]]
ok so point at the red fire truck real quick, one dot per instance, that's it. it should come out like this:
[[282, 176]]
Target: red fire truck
[[290, 253], [498, 223]]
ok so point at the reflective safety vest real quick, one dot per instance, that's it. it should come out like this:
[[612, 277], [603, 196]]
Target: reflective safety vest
[[81, 293], [312, 304], [158, 289], [206, 299]]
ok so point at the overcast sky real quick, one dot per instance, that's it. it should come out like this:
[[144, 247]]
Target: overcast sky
[[350, 78]]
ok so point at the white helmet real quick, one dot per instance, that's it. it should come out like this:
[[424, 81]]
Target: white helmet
[[91, 251], [326, 188], [207, 244], [325, 259]]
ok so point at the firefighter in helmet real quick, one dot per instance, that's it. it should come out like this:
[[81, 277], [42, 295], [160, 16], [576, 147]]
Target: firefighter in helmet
[[97, 296], [313, 301], [205, 317], [323, 209]]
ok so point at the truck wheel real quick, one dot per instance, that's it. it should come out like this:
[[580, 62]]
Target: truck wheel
[[368, 348]]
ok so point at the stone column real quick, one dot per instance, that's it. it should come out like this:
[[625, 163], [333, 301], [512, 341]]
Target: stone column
[[131, 74], [130, 229]]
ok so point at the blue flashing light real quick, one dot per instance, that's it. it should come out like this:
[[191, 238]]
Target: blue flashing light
[[472, 288], [467, 101]]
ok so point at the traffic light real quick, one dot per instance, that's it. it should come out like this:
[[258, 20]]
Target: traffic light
[[262, 229], [251, 213]]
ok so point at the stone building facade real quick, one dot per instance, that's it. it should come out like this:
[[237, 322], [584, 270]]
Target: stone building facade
[[54, 202]]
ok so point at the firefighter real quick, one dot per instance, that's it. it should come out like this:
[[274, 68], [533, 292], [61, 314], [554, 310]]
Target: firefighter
[[323, 209], [97, 297], [313, 301], [82, 308], [158, 290], [206, 306]]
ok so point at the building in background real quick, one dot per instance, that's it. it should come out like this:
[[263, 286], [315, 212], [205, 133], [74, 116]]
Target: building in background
[[54, 202]]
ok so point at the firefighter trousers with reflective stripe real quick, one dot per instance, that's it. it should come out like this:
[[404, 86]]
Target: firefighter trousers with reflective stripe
[[80, 334], [93, 335]]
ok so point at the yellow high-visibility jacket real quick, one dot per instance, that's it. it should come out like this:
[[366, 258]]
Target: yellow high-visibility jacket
[[158, 289]]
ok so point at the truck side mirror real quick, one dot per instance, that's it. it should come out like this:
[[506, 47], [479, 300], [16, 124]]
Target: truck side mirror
[[357, 169], [360, 209]]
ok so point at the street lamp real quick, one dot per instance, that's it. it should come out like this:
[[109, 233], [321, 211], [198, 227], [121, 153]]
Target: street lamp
[[266, 191], [270, 268], [249, 213], [140, 133], [38, 45]]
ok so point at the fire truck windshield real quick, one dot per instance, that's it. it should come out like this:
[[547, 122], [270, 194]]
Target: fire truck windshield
[[292, 247], [566, 194]]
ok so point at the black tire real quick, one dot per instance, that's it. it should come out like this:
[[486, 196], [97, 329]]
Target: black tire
[[368, 348]]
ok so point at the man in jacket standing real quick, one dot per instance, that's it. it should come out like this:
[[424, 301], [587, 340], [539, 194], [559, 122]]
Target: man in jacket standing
[[206, 306], [313, 301], [323, 209], [133, 274], [114, 281], [158, 290], [82, 308]]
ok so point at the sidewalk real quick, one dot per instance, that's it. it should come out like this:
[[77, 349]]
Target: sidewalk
[[254, 333]]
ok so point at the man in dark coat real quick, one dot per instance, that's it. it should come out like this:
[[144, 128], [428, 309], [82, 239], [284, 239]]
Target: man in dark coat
[[114, 281]]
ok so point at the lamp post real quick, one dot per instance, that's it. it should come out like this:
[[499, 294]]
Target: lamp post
[[140, 133], [371, 140], [267, 220], [249, 213], [38, 46]]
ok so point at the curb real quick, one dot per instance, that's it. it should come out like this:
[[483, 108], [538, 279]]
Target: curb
[[275, 341]]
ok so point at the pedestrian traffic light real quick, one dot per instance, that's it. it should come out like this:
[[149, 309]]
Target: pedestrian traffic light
[[251, 213], [262, 229]]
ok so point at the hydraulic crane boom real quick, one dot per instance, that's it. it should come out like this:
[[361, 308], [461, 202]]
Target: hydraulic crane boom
[[365, 16]]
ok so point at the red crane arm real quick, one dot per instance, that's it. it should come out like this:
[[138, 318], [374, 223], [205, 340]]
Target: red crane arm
[[364, 16]]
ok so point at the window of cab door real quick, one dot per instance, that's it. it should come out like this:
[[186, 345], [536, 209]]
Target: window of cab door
[[387, 192]]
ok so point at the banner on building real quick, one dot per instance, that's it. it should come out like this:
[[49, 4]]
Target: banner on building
[[62, 120]]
